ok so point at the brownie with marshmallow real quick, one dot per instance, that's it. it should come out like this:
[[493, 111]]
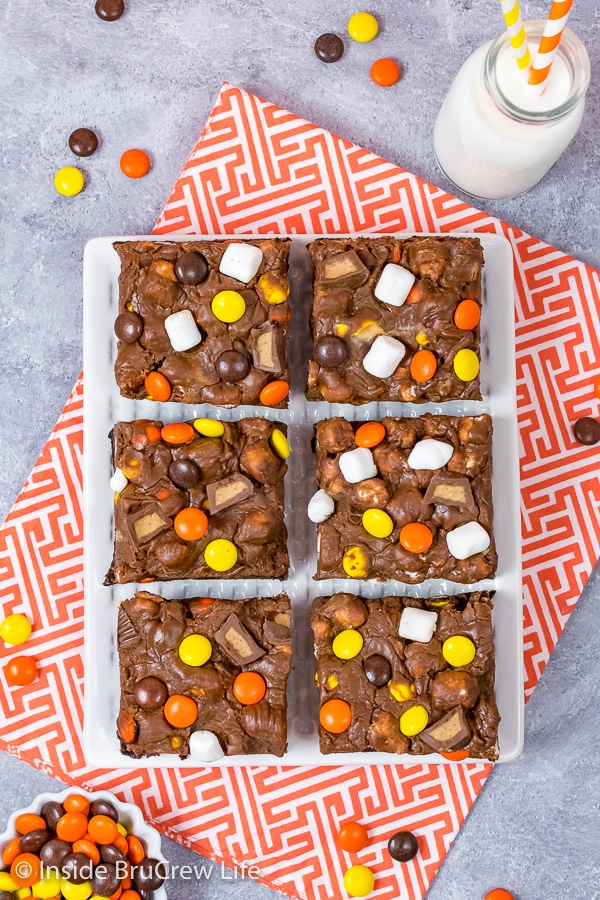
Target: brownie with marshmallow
[[250, 635], [408, 688], [166, 322], [432, 472], [378, 302]]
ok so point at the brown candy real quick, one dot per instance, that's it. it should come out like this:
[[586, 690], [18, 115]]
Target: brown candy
[[111, 854], [103, 808], [109, 10], [105, 880], [146, 523], [77, 868], [191, 268], [330, 352], [450, 490], [34, 841], [184, 473], [223, 494], [147, 876], [329, 48], [452, 732], [83, 142], [150, 693], [51, 812], [237, 642], [587, 430], [53, 853], [342, 270], [377, 669], [232, 366], [403, 846], [129, 327]]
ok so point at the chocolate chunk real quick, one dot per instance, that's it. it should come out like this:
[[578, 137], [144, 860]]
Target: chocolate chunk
[[191, 268], [452, 732], [223, 494], [83, 142], [184, 473], [146, 523], [237, 642], [450, 490], [53, 853], [109, 10], [342, 270], [150, 693], [329, 48], [268, 349], [126, 635], [377, 669], [232, 366], [587, 430], [129, 327], [330, 352], [402, 846], [276, 633]]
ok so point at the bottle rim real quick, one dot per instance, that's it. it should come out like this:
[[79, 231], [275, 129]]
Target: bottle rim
[[573, 53]]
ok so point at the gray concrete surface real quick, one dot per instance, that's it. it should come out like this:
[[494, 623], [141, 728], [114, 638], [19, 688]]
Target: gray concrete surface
[[149, 80]]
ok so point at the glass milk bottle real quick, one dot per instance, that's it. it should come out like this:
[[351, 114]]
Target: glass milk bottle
[[493, 137]]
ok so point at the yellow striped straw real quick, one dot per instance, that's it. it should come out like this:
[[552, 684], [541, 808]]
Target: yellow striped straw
[[516, 32]]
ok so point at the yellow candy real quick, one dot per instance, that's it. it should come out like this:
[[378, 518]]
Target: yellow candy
[[48, 886], [209, 427], [377, 522], [228, 306], [75, 891], [15, 629], [69, 181], [220, 555], [280, 444], [422, 339], [355, 562], [331, 683], [363, 27], [274, 290], [122, 830], [359, 881], [342, 329], [458, 650], [402, 692], [6, 882], [195, 650], [414, 720], [347, 644], [466, 365], [22, 893]]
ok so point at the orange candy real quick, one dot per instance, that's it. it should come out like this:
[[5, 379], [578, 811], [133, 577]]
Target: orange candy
[[120, 843], [135, 163], [20, 671], [335, 716], [71, 827], [385, 72], [370, 434], [467, 315], [153, 433], [25, 869], [597, 385], [423, 365], [11, 851], [157, 386], [416, 537], [27, 822], [77, 803], [180, 711], [454, 754], [88, 848], [177, 433], [135, 850], [130, 895], [190, 524], [498, 894], [102, 829], [274, 392], [249, 688], [352, 837], [416, 292]]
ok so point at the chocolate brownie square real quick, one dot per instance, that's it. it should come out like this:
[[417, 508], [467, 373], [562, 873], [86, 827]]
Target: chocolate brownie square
[[395, 319], [406, 675], [200, 499], [180, 662], [405, 499], [205, 350]]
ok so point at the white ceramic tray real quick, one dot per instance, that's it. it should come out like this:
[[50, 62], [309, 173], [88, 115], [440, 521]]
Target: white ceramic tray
[[103, 406]]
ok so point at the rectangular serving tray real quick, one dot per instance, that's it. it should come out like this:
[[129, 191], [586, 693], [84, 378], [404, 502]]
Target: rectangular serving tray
[[103, 406]]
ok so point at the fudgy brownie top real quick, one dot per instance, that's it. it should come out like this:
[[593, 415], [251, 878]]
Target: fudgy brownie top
[[193, 505], [232, 350], [410, 499], [430, 692], [426, 348], [157, 669]]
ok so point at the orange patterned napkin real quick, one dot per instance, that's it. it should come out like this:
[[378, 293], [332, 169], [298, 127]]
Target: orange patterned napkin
[[258, 168]]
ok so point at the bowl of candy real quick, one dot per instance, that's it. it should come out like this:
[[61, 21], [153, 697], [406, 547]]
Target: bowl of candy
[[75, 844]]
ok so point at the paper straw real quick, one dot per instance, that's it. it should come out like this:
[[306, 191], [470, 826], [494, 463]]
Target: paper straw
[[544, 57], [516, 32]]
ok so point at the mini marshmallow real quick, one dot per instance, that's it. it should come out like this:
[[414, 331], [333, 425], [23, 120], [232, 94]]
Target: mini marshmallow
[[467, 540], [384, 356], [118, 481], [417, 624], [394, 285], [356, 465], [430, 454], [320, 507], [241, 261], [182, 330], [205, 746]]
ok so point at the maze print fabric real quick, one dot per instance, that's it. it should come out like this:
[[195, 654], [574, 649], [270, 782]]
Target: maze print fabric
[[258, 168]]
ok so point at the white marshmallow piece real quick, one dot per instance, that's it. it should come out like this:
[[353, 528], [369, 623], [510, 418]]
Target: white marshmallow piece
[[384, 356], [320, 506], [205, 746], [430, 454], [118, 481], [356, 465], [467, 540], [394, 285], [417, 624], [241, 261], [182, 330]]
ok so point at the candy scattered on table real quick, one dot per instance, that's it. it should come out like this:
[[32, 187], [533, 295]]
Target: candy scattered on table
[[362, 27], [109, 10], [385, 72], [498, 894], [329, 48], [15, 629], [403, 846], [20, 671], [83, 142], [359, 881], [135, 163], [352, 837], [587, 430], [69, 181]]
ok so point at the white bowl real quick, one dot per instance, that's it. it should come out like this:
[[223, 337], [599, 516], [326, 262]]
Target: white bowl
[[130, 816]]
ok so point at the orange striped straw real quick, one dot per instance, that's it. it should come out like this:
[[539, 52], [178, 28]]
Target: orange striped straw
[[516, 32], [544, 58]]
